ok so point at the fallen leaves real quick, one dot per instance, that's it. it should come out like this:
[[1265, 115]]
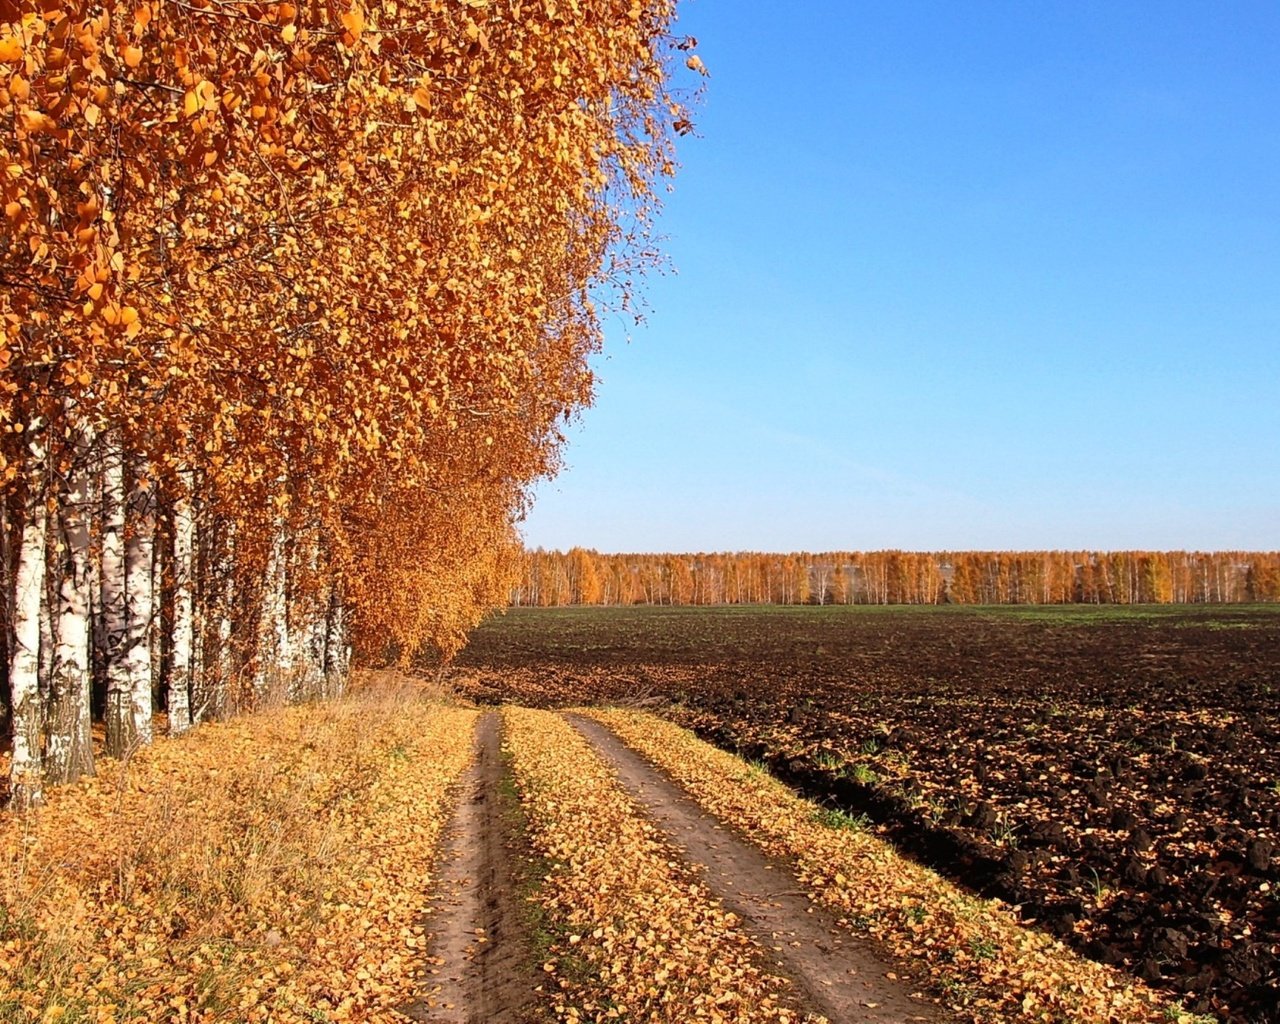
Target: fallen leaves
[[269, 868], [638, 937], [980, 959]]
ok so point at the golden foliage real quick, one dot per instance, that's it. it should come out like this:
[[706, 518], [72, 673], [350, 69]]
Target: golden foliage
[[326, 265]]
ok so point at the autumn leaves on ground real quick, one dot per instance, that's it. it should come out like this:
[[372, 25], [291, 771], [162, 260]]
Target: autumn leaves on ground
[[285, 867], [295, 300]]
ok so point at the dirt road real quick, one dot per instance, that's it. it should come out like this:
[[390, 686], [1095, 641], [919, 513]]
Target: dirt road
[[480, 969], [481, 965]]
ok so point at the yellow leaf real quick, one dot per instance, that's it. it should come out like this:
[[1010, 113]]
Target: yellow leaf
[[353, 22], [10, 49], [289, 33], [190, 103], [132, 56]]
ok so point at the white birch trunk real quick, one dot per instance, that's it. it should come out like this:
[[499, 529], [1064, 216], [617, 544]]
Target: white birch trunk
[[155, 628], [69, 750], [307, 639], [120, 725], [139, 555], [198, 671], [317, 627], [183, 616], [24, 660], [49, 600]]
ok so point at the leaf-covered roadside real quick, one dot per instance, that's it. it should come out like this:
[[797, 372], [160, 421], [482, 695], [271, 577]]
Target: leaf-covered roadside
[[640, 938], [980, 958], [269, 868]]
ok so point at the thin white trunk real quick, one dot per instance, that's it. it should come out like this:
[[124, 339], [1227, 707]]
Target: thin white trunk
[[24, 660], [307, 639], [183, 616], [139, 555], [198, 673], [114, 610], [69, 750], [156, 639], [48, 605]]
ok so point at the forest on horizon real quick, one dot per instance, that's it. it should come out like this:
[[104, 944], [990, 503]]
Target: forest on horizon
[[581, 576]]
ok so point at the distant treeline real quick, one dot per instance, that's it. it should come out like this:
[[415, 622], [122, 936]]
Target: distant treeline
[[580, 576]]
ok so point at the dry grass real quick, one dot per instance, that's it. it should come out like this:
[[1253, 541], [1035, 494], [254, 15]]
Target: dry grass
[[253, 870]]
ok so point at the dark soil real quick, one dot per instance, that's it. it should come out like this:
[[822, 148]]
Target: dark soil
[[1113, 772]]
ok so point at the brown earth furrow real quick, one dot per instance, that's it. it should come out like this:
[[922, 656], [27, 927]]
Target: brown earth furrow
[[841, 976], [480, 968]]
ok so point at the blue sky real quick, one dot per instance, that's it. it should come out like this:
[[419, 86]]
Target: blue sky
[[953, 275]]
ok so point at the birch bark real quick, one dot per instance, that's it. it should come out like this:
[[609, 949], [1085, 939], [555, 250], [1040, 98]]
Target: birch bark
[[138, 556], [183, 616], [120, 725], [336, 652], [24, 660], [69, 749]]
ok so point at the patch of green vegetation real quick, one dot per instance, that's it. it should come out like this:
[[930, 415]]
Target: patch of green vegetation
[[863, 775], [834, 817], [828, 761], [1180, 1016], [983, 948], [1005, 832], [955, 991], [899, 760]]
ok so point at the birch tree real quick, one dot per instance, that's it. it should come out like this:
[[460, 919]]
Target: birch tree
[[68, 749], [26, 788]]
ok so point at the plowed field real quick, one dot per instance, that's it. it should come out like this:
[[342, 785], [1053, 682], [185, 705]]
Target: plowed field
[[1113, 772]]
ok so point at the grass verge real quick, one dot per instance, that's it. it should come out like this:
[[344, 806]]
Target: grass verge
[[268, 868]]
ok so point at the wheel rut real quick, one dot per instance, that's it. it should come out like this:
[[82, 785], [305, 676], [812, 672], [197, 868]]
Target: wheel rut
[[838, 975], [479, 961]]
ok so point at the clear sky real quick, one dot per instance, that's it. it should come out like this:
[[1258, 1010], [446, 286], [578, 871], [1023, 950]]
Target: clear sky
[[954, 275]]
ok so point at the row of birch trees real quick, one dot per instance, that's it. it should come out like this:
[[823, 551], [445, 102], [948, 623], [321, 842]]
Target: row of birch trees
[[581, 576], [294, 298]]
